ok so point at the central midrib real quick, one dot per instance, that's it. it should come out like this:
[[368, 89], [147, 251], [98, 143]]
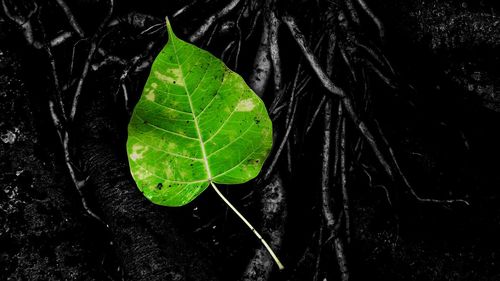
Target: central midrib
[[202, 144]]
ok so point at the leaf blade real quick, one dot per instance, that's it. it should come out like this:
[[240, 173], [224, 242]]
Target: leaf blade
[[196, 122]]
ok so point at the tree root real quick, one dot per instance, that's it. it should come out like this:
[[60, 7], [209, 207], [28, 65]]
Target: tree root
[[327, 200], [147, 245], [262, 65], [273, 202], [200, 32], [272, 197]]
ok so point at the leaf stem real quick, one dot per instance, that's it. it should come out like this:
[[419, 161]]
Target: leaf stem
[[271, 252]]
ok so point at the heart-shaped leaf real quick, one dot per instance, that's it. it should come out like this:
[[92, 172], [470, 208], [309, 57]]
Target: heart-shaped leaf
[[196, 122]]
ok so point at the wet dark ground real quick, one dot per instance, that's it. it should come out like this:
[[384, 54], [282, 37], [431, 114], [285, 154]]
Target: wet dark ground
[[446, 140], [43, 236]]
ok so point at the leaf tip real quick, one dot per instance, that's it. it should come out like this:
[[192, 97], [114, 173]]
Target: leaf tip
[[171, 33]]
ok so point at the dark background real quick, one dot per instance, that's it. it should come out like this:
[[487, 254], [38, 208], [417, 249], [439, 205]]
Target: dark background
[[442, 124]]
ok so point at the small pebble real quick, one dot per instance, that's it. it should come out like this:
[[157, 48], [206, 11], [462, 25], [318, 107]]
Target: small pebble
[[8, 137]]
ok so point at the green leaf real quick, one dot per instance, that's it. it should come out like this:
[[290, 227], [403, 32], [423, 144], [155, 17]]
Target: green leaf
[[196, 122]]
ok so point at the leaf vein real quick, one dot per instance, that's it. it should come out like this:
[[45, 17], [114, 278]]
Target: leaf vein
[[231, 142], [239, 163], [202, 144], [180, 111], [167, 152], [224, 123], [165, 130], [217, 93], [174, 181]]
